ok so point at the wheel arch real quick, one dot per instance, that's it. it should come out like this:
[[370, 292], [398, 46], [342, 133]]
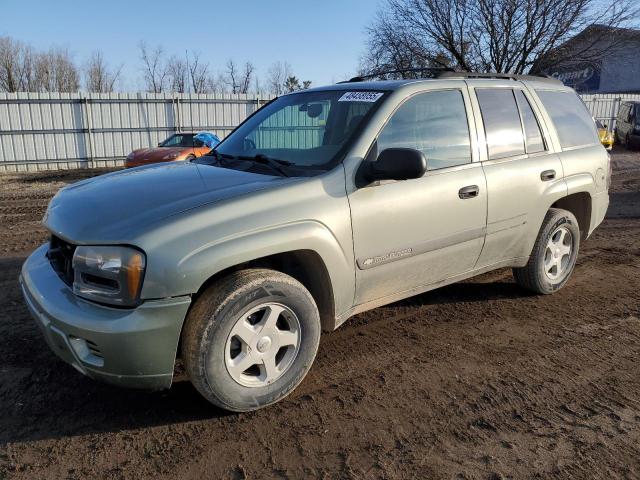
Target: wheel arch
[[580, 205], [306, 266]]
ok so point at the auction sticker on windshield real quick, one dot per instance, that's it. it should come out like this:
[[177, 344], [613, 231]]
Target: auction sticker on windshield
[[360, 97]]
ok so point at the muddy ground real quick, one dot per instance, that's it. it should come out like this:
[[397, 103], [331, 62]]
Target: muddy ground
[[475, 380]]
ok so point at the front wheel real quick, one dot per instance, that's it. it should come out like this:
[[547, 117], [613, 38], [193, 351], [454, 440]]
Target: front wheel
[[250, 339], [554, 254]]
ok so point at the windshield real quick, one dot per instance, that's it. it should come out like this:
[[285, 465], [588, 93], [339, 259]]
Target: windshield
[[179, 140], [303, 130]]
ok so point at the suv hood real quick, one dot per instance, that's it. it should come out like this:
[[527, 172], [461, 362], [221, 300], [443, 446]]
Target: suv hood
[[113, 207]]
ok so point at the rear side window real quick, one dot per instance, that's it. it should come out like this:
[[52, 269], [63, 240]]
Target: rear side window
[[434, 123], [571, 118], [532, 134], [501, 122]]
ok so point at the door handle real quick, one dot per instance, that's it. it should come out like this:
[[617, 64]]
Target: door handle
[[548, 175], [468, 192]]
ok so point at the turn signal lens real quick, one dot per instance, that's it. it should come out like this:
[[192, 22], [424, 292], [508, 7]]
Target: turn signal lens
[[135, 268]]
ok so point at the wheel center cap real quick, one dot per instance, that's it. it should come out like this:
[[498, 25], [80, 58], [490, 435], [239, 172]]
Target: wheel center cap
[[263, 344]]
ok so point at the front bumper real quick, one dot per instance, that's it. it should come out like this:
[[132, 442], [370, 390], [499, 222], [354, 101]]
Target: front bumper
[[126, 347]]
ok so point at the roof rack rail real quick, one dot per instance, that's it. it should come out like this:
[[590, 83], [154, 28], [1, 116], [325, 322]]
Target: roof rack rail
[[432, 71], [509, 76], [445, 72]]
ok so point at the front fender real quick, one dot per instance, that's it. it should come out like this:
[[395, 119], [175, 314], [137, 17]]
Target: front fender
[[196, 267]]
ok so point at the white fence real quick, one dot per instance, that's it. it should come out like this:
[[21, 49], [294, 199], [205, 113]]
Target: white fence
[[57, 130], [604, 106]]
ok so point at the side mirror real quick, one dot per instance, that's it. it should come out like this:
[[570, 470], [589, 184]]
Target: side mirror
[[398, 164]]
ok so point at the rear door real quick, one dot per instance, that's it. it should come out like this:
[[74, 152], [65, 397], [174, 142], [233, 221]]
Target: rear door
[[412, 233], [524, 176]]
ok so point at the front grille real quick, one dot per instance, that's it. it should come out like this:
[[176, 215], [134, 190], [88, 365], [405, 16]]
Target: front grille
[[60, 256]]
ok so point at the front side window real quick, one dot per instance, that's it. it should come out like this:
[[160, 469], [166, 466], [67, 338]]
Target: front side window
[[501, 122], [571, 118], [434, 123], [304, 130]]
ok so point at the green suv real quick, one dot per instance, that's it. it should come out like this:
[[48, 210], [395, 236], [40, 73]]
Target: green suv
[[323, 204]]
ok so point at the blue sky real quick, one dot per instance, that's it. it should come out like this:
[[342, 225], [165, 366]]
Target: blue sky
[[322, 40]]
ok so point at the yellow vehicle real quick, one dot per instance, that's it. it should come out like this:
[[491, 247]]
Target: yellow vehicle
[[606, 137]]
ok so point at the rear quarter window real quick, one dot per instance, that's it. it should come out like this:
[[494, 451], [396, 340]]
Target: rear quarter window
[[570, 117]]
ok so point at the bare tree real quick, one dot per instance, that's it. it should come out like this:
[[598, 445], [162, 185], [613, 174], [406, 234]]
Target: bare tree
[[177, 75], [277, 76], [306, 84], [98, 77], [54, 71], [485, 35], [199, 76], [16, 65], [154, 68], [216, 83], [23, 70], [239, 80]]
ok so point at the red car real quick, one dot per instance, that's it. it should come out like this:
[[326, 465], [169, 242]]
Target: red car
[[181, 146]]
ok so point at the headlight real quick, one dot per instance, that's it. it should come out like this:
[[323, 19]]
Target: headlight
[[130, 156], [109, 274]]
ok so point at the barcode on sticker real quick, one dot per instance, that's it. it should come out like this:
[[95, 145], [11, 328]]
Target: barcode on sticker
[[360, 97]]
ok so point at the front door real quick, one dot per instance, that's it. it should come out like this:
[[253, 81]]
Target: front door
[[412, 233]]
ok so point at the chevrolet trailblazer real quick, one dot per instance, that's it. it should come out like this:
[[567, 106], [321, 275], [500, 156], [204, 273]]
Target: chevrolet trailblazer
[[322, 204]]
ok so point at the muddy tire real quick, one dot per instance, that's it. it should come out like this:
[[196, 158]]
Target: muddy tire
[[250, 339], [554, 254]]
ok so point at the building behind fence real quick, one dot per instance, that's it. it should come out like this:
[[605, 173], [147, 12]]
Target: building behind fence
[[56, 131]]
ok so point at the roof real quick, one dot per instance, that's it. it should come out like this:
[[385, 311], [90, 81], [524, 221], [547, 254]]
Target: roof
[[390, 85], [368, 85]]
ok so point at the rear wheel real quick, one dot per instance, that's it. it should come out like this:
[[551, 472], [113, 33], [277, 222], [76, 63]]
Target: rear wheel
[[250, 339], [554, 254]]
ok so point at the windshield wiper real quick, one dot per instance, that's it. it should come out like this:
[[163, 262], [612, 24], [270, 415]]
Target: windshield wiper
[[274, 163], [213, 154]]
